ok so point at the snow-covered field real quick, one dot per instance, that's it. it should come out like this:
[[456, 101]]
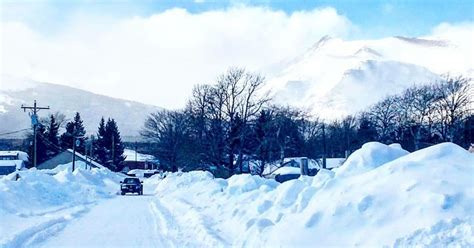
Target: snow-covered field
[[381, 196]]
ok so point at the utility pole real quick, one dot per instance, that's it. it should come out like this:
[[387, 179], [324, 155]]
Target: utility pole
[[91, 152], [324, 146], [113, 150], [136, 160], [73, 153], [34, 122], [76, 142]]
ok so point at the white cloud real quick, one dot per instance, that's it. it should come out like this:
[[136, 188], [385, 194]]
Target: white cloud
[[460, 35], [158, 59], [459, 32]]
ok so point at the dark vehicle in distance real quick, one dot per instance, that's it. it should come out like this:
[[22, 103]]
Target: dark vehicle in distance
[[131, 185]]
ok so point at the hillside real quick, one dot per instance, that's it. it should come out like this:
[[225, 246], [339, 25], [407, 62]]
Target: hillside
[[67, 100]]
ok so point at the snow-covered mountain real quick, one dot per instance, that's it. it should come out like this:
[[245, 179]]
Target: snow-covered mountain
[[14, 92], [336, 77]]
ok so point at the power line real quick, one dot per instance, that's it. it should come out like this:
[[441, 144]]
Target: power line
[[13, 132], [45, 140], [34, 121]]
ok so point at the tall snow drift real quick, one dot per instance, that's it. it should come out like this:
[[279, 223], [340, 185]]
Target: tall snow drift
[[391, 198], [49, 189], [368, 157]]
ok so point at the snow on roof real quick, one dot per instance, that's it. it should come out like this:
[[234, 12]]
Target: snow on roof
[[21, 155], [19, 164], [140, 171], [287, 171], [130, 156]]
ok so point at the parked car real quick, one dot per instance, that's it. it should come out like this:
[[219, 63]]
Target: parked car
[[131, 185]]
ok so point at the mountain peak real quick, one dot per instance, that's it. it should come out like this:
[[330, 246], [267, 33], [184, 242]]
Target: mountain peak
[[367, 51], [325, 39]]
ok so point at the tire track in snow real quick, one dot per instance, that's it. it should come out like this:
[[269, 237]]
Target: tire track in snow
[[160, 225], [193, 226], [41, 232]]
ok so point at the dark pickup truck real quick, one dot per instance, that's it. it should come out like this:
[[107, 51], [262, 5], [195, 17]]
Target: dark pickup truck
[[131, 185]]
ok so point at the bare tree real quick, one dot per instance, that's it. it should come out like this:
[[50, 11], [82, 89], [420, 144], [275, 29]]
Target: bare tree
[[416, 109], [384, 116], [242, 101], [453, 105], [168, 130]]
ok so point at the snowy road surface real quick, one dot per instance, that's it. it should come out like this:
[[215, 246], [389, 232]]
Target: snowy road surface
[[131, 221], [122, 221]]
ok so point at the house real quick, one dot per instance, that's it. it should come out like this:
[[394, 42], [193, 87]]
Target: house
[[140, 161], [11, 161], [66, 157]]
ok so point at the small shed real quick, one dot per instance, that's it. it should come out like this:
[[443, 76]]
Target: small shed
[[11, 161]]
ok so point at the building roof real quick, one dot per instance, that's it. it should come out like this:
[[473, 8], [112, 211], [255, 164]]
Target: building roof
[[94, 163], [21, 155], [65, 157], [130, 156]]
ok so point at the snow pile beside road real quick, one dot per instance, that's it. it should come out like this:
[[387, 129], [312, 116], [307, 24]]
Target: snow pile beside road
[[455, 233], [47, 199], [239, 184], [40, 190], [390, 198]]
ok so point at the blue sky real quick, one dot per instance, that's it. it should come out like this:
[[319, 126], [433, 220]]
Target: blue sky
[[374, 18]]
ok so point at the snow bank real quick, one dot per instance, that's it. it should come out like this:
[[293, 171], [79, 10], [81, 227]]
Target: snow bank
[[46, 197], [382, 196], [39, 190], [368, 157], [239, 184], [454, 233], [189, 182]]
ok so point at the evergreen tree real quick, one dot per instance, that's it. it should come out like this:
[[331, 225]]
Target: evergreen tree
[[79, 131], [67, 138], [52, 131], [263, 138], [115, 152], [74, 128], [100, 149], [51, 135]]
